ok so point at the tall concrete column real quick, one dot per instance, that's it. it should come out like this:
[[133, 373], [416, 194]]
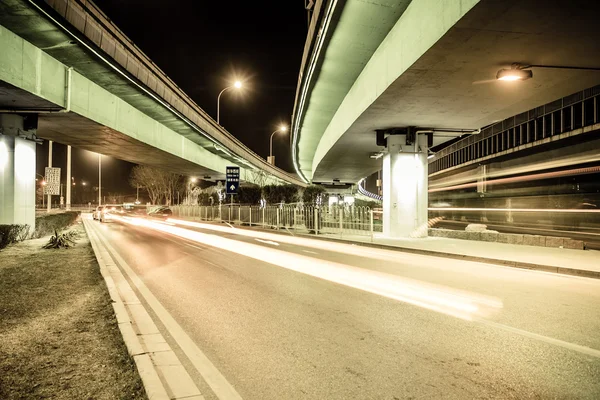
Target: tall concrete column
[[405, 187], [17, 173]]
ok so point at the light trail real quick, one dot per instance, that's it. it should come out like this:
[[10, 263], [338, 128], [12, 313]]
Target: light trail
[[536, 210], [524, 178], [444, 300]]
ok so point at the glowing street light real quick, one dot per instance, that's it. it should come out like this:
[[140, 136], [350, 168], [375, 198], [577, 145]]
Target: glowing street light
[[515, 73], [271, 159], [236, 85], [519, 72]]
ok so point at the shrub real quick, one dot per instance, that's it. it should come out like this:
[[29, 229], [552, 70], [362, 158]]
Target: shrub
[[61, 240], [367, 203], [274, 194], [13, 233], [49, 223], [315, 195], [249, 195]]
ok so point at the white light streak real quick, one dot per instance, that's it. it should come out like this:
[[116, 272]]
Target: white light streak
[[440, 299]]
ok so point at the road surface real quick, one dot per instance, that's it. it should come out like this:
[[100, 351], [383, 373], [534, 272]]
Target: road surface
[[311, 319]]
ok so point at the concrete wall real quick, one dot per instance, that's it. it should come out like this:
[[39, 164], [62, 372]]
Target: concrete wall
[[509, 238]]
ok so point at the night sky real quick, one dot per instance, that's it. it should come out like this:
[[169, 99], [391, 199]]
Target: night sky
[[203, 47]]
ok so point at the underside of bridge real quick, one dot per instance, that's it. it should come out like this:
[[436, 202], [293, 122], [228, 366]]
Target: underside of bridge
[[436, 68]]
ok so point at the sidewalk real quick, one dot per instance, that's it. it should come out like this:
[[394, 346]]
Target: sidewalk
[[563, 261]]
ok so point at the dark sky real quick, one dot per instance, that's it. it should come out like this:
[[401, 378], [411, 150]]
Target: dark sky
[[205, 45]]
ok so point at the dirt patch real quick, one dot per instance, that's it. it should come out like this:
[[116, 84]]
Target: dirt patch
[[58, 334]]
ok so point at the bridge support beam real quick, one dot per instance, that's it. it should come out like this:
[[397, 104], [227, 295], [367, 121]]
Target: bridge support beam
[[405, 187], [17, 173]]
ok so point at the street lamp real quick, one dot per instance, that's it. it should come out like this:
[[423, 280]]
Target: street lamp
[[236, 85], [521, 72], [271, 159]]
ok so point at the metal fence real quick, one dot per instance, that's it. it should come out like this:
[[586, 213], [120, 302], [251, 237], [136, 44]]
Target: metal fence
[[332, 220]]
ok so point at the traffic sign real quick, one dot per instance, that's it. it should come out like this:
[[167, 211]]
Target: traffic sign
[[233, 179], [52, 178]]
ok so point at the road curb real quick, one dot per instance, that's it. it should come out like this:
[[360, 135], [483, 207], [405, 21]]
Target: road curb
[[141, 336], [506, 263]]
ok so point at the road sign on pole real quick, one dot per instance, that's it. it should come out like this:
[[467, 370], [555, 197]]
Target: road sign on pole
[[52, 179], [233, 179]]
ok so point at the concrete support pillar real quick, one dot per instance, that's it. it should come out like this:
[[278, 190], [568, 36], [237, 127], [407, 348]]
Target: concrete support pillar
[[405, 187], [17, 173]]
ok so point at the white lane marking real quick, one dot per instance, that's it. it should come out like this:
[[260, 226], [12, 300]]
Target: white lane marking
[[267, 242], [217, 382], [557, 342], [310, 252]]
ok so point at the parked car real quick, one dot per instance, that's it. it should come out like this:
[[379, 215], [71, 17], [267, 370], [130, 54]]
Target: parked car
[[161, 212], [97, 212]]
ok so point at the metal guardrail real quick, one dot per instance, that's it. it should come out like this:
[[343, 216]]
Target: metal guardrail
[[333, 220]]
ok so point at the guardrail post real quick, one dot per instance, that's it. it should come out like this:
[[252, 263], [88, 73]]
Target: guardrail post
[[263, 215], [250, 215], [294, 220], [240, 214], [277, 218], [371, 223], [315, 221]]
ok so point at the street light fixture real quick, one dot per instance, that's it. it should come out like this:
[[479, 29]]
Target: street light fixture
[[236, 85], [520, 72], [271, 159]]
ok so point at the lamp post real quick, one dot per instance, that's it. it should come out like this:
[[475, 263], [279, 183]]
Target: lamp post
[[42, 183], [236, 85], [99, 179], [271, 159]]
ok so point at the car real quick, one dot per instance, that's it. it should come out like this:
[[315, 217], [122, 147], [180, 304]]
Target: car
[[96, 213], [109, 210], [161, 212]]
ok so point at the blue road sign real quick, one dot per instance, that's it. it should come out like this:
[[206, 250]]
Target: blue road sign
[[233, 180]]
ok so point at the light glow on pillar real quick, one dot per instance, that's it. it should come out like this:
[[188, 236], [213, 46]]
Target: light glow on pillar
[[25, 161]]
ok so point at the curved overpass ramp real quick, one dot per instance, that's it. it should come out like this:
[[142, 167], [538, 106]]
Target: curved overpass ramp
[[429, 64]]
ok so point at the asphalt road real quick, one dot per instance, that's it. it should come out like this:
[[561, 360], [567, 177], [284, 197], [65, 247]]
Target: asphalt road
[[347, 322]]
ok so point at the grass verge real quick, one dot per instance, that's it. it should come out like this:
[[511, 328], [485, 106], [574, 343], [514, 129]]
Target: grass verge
[[58, 334]]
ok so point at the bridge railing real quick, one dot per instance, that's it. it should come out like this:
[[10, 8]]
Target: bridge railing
[[333, 220], [536, 126]]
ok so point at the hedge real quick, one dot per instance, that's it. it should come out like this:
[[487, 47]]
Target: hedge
[[48, 223], [13, 233]]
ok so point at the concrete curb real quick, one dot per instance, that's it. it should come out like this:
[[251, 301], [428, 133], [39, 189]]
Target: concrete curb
[[162, 374], [495, 261]]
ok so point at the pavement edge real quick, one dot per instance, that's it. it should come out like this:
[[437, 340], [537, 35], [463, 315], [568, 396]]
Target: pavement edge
[[162, 380]]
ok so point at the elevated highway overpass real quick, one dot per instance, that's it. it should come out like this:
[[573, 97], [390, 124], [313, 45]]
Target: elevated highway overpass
[[425, 70], [70, 75]]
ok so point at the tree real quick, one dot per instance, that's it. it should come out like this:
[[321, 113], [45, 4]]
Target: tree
[[160, 184]]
